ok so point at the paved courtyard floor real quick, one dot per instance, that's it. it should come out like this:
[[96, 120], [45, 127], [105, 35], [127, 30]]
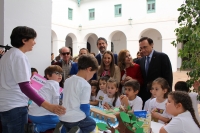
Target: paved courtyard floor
[[181, 76]]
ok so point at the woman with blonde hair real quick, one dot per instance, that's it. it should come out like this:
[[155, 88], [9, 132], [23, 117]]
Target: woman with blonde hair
[[108, 67], [129, 70]]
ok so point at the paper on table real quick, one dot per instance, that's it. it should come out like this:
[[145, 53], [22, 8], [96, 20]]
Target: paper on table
[[37, 81]]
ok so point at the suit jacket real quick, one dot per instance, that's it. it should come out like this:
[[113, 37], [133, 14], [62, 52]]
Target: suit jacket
[[98, 57], [159, 66]]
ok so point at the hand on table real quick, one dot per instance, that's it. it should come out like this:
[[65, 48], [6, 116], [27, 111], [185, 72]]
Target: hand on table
[[106, 106]]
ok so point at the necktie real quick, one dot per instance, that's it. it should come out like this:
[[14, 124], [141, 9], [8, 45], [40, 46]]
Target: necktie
[[147, 64]]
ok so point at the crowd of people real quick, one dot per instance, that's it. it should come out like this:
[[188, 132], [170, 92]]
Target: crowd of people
[[105, 80]]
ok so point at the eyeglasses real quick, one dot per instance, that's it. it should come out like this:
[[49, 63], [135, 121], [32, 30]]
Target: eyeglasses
[[66, 53], [57, 73]]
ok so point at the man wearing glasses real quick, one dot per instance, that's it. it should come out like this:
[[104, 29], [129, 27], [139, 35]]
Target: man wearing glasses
[[153, 65], [65, 63]]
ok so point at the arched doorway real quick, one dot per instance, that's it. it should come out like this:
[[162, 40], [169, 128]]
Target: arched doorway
[[118, 41], [91, 40], [69, 41], [155, 35]]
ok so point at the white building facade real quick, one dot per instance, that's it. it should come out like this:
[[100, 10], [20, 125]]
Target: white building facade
[[79, 23]]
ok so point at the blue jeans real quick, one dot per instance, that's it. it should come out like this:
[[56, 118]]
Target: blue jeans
[[86, 125], [13, 121], [43, 123]]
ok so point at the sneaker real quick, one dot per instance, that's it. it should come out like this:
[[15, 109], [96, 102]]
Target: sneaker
[[75, 129]]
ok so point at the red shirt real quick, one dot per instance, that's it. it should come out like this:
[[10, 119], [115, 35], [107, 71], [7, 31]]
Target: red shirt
[[133, 72]]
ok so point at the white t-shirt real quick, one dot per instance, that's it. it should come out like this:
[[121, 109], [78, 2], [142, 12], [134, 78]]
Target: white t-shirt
[[76, 91], [195, 103], [160, 108], [50, 92], [146, 105], [14, 69], [100, 97], [108, 100], [136, 104], [182, 123], [92, 98]]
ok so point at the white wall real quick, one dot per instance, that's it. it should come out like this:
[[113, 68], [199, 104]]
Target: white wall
[[2, 22], [32, 14]]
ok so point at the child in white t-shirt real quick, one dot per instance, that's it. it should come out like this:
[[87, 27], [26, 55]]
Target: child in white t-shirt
[[182, 86], [102, 86], [179, 105], [111, 99], [131, 89], [94, 91], [157, 105], [76, 96], [40, 117]]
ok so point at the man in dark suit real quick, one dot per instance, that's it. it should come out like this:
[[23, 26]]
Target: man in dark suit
[[153, 65], [102, 46]]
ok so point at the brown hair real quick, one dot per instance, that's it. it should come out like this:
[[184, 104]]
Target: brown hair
[[86, 61], [134, 84], [75, 58], [93, 53], [164, 85], [101, 38], [183, 98], [95, 84], [51, 69], [121, 59], [112, 65], [112, 80], [84, 49]]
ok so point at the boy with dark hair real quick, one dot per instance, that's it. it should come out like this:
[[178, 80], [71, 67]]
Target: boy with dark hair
[[132, 87], [76, 96], [42, 118], [183, 86]]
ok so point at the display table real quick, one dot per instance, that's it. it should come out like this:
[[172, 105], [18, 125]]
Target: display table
[[154, 126], [100, 116]]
